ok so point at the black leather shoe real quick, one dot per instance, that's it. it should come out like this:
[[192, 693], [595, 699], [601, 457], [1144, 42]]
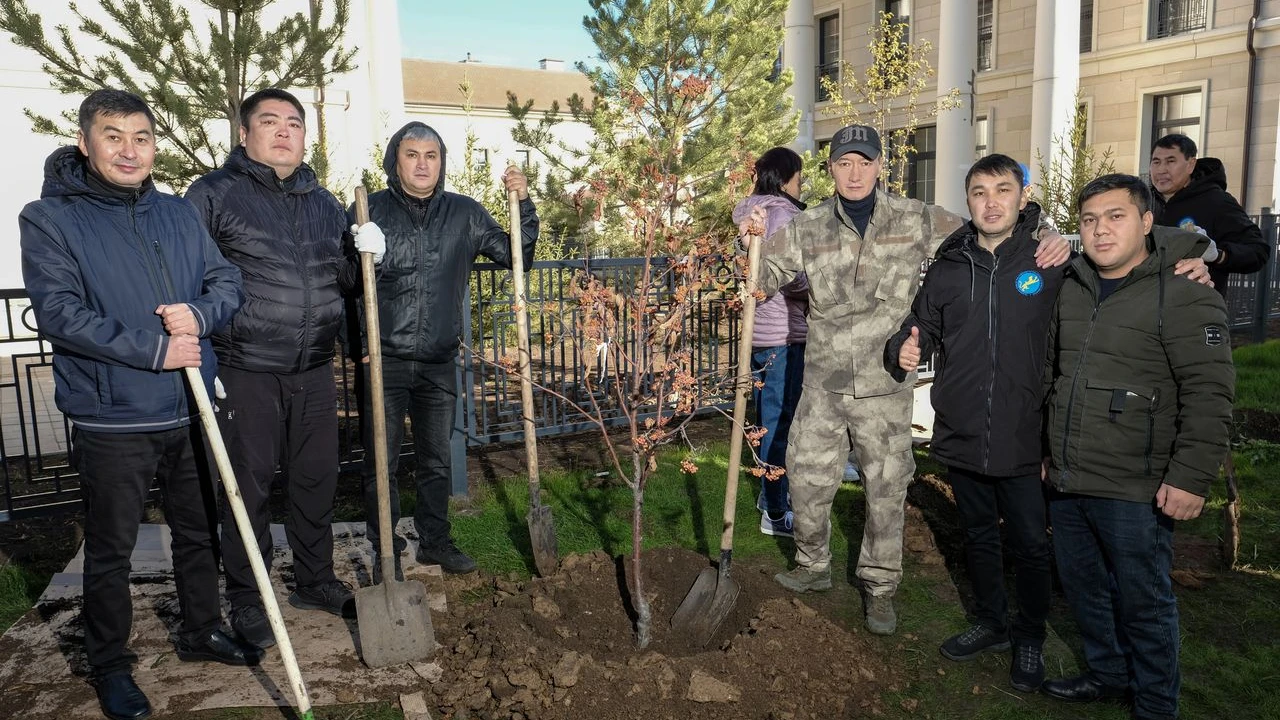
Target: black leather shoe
[[120, 698], [251, 625], [1082, 688], [448, 557], [218, 646]]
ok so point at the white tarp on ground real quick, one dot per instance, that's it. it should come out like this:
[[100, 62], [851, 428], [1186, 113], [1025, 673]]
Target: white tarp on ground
[[42, 656]]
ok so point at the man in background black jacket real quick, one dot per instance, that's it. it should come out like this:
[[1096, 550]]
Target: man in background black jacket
[[432, 239], [1191, 194], [272, 219]]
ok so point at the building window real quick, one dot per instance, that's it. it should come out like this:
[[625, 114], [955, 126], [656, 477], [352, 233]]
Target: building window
[[980, 147], [986, 21], [1175, 113], [1086, 26], [522, 157], [901, 12], [481, 157], [922, 165], [1175, 17], [828, 53]]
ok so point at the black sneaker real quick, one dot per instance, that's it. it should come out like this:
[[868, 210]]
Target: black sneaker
[[1027, 671], [973, 642], [376, 572], [448, 557], [251, 626], [333, 597]]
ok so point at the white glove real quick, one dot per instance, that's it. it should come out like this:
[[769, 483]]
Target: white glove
[[1211, 255], [370, 239], [219, 392]]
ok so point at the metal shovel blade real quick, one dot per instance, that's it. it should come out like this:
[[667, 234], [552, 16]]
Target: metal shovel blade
[[708, 603], [542, 533], [395, 623]]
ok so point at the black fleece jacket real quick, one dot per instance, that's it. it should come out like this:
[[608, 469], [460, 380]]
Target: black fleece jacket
[[987, 316]]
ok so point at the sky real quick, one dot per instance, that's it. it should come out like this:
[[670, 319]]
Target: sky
[[515, 33]]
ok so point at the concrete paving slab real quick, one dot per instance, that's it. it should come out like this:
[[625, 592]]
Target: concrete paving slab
[[42, 668]]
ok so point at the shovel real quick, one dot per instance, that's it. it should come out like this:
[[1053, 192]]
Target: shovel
[[395, 621], [542, 528], [232, 488], [714, 592]]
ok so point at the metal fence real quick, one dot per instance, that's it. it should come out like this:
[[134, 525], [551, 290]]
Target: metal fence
[[37, 478]]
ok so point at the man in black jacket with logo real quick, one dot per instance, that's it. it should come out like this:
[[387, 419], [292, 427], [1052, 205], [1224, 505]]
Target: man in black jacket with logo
[[1191, 194], [432, 239], [127, 286], [285, 233]]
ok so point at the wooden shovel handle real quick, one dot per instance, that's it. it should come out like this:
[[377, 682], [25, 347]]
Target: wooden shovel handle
[[743, 386]]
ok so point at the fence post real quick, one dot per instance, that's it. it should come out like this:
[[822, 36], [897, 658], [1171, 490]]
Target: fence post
[[1262, 298]]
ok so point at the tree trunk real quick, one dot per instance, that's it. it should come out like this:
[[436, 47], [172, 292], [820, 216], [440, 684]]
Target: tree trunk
[[231, 78], [638, 598]]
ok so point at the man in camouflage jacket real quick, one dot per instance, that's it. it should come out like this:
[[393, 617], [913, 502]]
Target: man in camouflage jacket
[[862, 250]]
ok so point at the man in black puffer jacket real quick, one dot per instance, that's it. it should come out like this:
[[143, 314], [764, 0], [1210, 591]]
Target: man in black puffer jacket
[[1191, 194], [271, 218], [433, 238]]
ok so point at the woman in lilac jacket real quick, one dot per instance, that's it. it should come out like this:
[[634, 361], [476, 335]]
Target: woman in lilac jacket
[[780, 332]]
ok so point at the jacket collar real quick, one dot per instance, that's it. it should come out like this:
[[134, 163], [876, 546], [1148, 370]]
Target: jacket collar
[[302, 181]]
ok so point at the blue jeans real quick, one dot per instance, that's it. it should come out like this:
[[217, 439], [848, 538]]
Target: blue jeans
[[1114, 558], [781, 370]]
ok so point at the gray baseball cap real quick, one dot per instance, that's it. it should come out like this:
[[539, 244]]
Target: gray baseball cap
[[862, 139]]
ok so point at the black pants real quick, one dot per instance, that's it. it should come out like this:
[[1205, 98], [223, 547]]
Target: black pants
[[981, 501], [427, 393], [116, 472], [270, 419]]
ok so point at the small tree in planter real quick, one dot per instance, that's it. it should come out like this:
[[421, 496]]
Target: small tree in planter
[[1061, 179]]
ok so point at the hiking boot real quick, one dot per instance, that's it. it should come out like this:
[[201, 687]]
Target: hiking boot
[[881, 618], [803, 579], [448, 557], [781, 527], [332, 596], [1027, 671], [251, 626], [376, 572], [973, 642]]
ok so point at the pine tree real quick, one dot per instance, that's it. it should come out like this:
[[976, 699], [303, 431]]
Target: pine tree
[[1060, 180], [193, 72], [689, 81]]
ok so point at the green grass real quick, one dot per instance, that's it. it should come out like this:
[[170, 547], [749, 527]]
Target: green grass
[[19, 589], [1258, 376]]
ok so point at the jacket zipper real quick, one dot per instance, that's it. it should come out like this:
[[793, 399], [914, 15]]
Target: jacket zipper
[[307, 309], [157, 267], [1071, 400], [991, 340], [1151, 429]]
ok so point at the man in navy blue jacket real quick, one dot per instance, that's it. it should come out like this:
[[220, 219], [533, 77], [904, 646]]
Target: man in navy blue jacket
[[127, 286]]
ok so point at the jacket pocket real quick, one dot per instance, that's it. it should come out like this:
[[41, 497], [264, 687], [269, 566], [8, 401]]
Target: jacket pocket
[[1122, 416]]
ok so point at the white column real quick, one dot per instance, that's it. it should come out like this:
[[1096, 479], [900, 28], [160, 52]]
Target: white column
[[957, 64], [800, 56], [383, 69], [1055, 77]]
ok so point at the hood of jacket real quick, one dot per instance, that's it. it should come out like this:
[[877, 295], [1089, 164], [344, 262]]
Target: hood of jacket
[[780, 210], [1209, 176], [393, 148], [302, 181], [66, 175]]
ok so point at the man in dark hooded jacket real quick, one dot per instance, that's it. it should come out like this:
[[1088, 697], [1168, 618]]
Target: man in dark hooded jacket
[[432, 239], [127, 286], [272, 219], [1191, 194]]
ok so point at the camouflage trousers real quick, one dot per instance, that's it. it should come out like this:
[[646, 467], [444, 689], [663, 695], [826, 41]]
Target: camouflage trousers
[[878, 429]]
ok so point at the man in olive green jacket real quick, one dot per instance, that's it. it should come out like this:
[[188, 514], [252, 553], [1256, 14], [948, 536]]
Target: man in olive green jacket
[[1140, 384]]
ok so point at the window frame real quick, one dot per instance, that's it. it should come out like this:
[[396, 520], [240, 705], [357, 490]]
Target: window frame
[[1146, 119], [823, 68], [991, 38], [1153, 16]]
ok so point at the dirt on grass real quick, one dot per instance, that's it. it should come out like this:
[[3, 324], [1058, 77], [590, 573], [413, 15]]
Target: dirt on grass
[[562, 647]]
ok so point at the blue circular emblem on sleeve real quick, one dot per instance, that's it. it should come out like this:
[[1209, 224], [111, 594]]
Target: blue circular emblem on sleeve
[[1029, 282]]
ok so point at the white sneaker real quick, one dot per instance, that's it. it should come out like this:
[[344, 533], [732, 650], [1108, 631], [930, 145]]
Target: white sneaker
[[780, 528]]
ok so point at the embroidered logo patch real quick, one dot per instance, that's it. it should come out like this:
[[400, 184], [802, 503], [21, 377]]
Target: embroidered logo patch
[[1029, 282], [1212, 335]]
